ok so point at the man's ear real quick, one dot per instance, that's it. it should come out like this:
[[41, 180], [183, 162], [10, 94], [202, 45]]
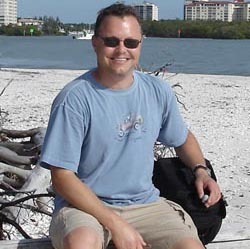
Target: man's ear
[[94, 42]]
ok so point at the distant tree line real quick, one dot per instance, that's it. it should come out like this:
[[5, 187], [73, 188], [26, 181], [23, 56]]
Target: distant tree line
[[51, 26], [162, 28], [13, 30], [197, 29]]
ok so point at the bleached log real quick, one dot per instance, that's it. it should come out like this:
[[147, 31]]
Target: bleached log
[[38, 137], [10, 183], [24, 174], [38, 182], [12, 158], [44, 243], [21, 148], [20, 133]]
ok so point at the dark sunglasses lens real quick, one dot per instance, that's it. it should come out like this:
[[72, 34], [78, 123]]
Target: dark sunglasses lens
[[131, 43], [114, 42], [111, 41]]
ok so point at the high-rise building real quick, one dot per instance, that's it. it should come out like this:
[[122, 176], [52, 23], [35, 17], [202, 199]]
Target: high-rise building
[[147, 11], [8, 12], [227, 11]]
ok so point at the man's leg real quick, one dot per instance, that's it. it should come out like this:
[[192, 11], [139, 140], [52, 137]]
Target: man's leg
[[82, 238], [188, 243], [163, 225], [73, 229]]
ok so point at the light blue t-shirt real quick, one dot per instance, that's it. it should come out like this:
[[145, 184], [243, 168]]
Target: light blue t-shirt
[[107, 136]]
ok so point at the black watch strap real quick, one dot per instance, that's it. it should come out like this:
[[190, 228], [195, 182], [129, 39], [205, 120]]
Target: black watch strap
[[201, 166]]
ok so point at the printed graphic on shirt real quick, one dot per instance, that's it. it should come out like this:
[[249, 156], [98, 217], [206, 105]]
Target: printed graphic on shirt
[[131, 125]]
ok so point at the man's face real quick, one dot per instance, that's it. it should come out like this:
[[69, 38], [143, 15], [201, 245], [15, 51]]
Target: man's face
[[117, 61]]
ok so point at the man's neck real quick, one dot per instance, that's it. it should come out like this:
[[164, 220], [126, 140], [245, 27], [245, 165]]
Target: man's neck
[[114, 81]]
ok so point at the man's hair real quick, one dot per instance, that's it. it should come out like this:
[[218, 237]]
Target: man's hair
[[117, 9]]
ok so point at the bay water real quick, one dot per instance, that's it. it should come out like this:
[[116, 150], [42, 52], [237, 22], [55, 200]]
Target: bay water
[[203, 56]]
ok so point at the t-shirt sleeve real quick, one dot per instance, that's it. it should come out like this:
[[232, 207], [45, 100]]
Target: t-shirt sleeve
[[63, 140], [174, 130]]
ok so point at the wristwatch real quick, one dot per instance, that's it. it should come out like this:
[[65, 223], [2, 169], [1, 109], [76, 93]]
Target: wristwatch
[[201, 166]]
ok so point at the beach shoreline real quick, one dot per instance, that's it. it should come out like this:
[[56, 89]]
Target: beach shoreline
[[217, 110]]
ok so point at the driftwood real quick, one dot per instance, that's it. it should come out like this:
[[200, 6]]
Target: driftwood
[[11, 157], [24, 183], [26, 244], [44, 243]]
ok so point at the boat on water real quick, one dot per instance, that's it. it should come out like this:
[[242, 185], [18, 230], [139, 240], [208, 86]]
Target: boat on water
[[82, 35]]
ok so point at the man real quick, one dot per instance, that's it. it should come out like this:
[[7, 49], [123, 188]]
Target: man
[[99, 148]]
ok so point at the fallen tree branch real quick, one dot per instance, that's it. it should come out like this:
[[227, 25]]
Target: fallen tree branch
[[12, 158], [16, 225], [9, 183], [2, 92], [20, 133], [23, 173], [5, 204], [21, 148]]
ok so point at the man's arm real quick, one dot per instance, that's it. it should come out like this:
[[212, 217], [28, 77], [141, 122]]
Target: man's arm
[[75, 192], [191, 155]]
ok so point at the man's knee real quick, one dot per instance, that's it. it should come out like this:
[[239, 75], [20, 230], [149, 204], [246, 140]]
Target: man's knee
[[82, 238], [188, 243]]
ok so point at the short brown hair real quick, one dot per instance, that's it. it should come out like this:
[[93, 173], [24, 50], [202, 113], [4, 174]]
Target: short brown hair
[[117, 9]]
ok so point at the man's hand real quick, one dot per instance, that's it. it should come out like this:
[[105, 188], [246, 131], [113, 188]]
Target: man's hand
[[125, 236], [191, 154], [206, 185]]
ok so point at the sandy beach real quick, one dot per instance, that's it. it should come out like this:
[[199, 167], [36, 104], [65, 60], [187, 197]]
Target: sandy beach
[[217, 110]]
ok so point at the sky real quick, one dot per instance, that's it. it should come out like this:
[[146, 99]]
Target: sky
[[84, 11]]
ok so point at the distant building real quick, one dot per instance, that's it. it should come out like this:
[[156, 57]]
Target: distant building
[[147, 11], [30, 21], [8, 12], [226, 11]]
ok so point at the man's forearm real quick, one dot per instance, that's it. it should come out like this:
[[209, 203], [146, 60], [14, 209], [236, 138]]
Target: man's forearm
[[191, 155], [190, 152]]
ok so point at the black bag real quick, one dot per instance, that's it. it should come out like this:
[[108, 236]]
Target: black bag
[[176, 183]]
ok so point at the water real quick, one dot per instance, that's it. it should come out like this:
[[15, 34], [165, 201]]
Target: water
[[205, 56]]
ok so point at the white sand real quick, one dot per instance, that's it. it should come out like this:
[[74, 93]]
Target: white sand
[[218, 112]]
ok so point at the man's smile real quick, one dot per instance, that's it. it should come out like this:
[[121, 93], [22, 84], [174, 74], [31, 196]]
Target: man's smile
[[119, 59]]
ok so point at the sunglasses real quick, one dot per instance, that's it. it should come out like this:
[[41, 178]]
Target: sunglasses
[[113, 42]]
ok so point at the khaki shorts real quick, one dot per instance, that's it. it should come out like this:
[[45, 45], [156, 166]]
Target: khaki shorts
[[161, 224]]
